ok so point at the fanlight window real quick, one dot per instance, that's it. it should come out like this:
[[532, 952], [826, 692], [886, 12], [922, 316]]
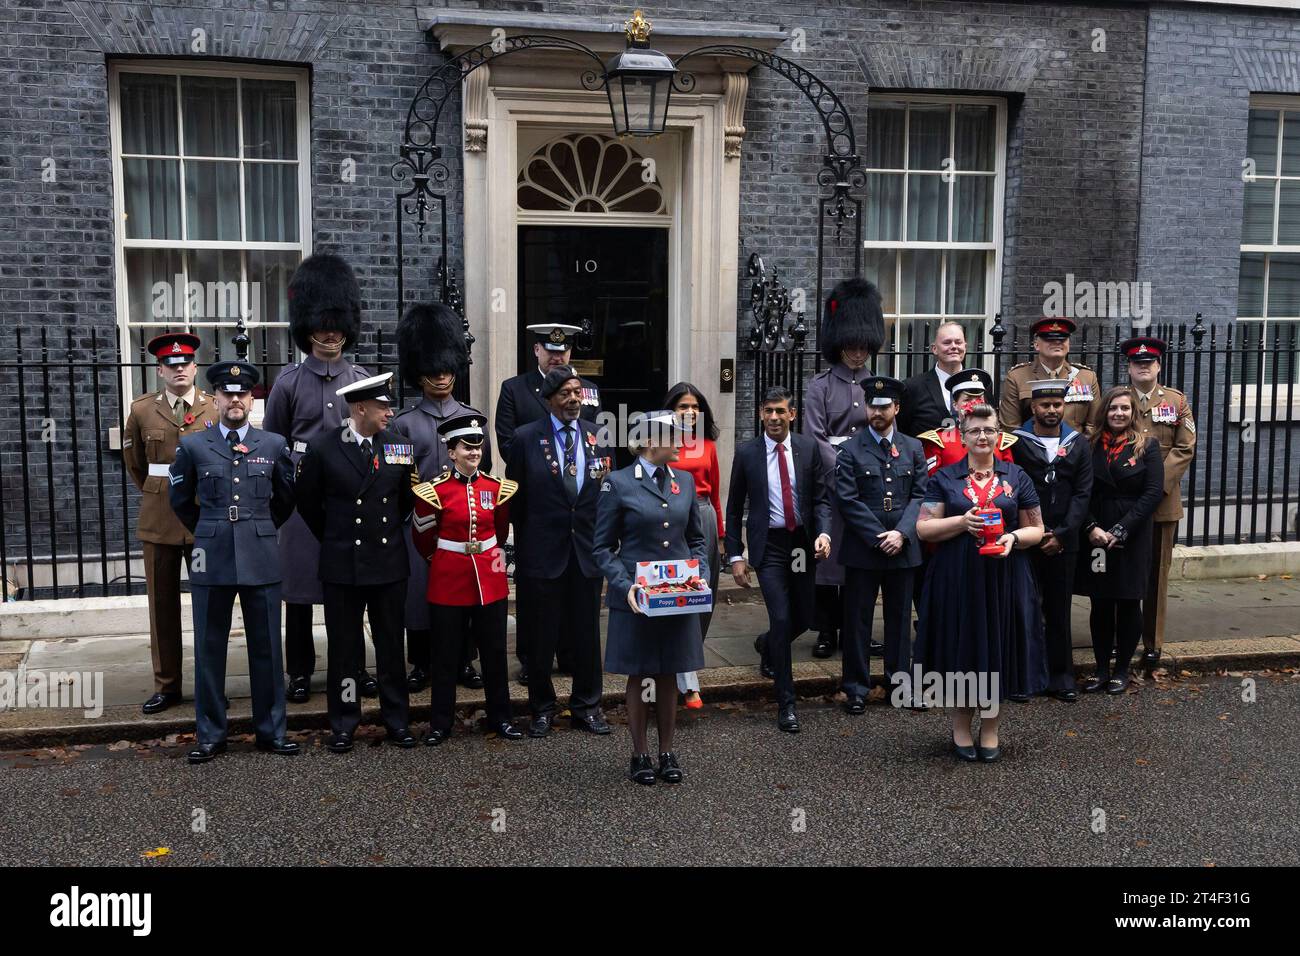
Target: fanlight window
[[584, 172]]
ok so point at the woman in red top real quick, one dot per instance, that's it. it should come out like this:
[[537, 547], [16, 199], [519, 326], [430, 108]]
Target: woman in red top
[[699, 456]]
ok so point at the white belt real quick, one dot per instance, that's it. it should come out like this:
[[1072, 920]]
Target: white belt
[[467, 547], [159, 471]]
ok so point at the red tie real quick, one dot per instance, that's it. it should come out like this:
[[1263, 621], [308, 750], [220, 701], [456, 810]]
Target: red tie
[[787, 494]]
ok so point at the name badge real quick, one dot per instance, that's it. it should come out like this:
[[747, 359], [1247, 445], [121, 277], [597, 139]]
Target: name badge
[[399, 454]]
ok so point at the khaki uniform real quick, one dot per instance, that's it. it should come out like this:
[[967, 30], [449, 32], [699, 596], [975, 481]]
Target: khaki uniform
[[148, 449], [1081, 399]]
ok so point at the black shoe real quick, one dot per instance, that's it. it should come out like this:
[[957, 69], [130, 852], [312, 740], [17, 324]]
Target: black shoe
[[1150, 659], [592, 723], [1117, 684], [523, 675], [540, 726], [825, 645], [402, 737], [417, 680], [1019, 698], [787, 719], [202, 753], [339, 743], [765, 669], [434, 737], [669, 771], [279, 745], [367, 684], [508, 730], [160, 702], [1068, 696], [299, 690], [855, 704], [1096, 682], [989, 754], [643, 771], [964, 753], [876, 649], [469, 678]]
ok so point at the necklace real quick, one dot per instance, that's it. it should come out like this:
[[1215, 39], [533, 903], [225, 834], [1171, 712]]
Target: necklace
[[982, 475]]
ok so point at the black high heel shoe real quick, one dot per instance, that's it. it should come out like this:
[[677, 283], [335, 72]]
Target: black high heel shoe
[[966, 753]]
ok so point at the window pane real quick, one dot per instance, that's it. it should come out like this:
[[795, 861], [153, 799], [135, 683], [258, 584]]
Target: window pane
[[208, 109], [1283, 286], [1257, 220], [1290, 143], [1288, 214], [973, 208], [271, 201], [885, 125], [270, 119], [1250, 286], [268, 276], [148, 105], [920, 282], [155, 286], [975, 137], [213, 292], [928, 137], [152, 198], [927, 209], [878, 267], [212, 200], [1261, 141], [884, 206], [966, 278]]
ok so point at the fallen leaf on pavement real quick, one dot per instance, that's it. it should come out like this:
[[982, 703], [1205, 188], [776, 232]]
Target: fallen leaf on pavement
[[1071, 733], [160, 851], [120, 745], [1143, 843], [1142, 761]]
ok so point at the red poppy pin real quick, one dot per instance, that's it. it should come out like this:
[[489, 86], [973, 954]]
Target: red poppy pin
[[375, 463], [189, 418], [591, 439], [675, 488], [241, 448], [1062, 452], [893, 450], [1006, 489]]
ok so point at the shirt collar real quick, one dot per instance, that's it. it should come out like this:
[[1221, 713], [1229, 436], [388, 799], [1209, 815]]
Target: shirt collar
[[646, 465], [358, 438], [242, 431], [877, 436], [1061, 371], [1146, 396], [464, 479], [771, 444], [188, 397]]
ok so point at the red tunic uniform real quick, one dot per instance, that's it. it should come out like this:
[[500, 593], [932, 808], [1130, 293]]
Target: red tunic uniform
[[452, 511], [944, 447]]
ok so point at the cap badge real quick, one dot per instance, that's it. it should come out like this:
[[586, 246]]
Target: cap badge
[[473, 423], [557, 335], [880, 386], [234, 370], [176, 346]]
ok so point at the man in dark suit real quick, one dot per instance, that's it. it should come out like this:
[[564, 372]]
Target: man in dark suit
[[521, 400], [880, 477], [924, 403], [780, 475], [354, 493], [559, 464], [232, 486]]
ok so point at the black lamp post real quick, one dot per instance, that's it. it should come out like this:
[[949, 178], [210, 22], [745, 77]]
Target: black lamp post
[[638, 82]]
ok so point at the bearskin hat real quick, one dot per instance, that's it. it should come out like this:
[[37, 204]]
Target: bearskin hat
[[430, 341], [852, 318], [324, 297]]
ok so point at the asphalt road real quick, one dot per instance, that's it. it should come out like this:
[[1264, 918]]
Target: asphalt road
[[1186, 773]]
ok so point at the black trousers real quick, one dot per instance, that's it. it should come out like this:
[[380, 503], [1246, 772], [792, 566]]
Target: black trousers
[[525, 621], [487, 624], [860, 588], [788, 581], [1115, 621], [1056, 587], [420, 649], [565, 606], [299, 649], [830, 610], [213, 607], [345, 607]]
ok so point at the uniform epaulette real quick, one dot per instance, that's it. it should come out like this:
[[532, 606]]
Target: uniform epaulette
[[426, 491], [508, 489], [1079, 365], [931, 436], [1021, 365], [1008, 440]]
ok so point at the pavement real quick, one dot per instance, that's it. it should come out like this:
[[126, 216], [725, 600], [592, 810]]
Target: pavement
[[1187, 771], [1212, 625]]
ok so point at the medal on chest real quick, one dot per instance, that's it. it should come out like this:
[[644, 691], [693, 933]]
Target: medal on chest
[[485, 499], [1078, 391], [1164, 414], [399, 454]]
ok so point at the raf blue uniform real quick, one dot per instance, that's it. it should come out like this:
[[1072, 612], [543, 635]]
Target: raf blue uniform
[[233, 494]]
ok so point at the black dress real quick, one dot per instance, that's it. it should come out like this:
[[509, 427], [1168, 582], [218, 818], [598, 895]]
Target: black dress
[[979, 614], [1125, 492]]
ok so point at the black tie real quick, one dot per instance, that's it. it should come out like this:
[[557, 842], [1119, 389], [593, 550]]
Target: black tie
[[660, 474], [365, 451], [885, 445], [570, 464], [232, 436]]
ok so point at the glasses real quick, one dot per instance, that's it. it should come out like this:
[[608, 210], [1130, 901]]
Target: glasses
[[981, 432]]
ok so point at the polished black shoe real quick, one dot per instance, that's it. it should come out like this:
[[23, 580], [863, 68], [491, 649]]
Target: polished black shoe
[[1150, 659], [299, 690], [1019, 698], [1068, 696], [787, 719], [1117, 684], [669, 771], [540, 726], [339, 743], [508, 730], [989, 754], [523, 676], [1095, 683], [160, 702], [876, 649], [285, 748], [855, 704], [964, 753], [367, 684], [643, 771], [469, 678], [202, 753], [592, 723], [825, 645], [417, 680], [434, 737], [401, 737]]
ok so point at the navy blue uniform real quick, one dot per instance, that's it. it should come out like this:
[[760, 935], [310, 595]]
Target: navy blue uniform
[[520, 403]]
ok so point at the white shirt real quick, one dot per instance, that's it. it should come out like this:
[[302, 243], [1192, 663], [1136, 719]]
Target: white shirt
[[775, 507], [357, 438], [943, 376], [1050, 444]]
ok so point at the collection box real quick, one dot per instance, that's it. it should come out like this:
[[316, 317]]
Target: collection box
[[672, 587]]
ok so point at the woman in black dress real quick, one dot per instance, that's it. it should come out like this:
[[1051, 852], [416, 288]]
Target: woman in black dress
[[1128, 482], [979, 620]]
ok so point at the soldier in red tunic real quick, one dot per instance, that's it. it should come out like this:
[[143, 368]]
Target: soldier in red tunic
[[459, 524], [943, 446]]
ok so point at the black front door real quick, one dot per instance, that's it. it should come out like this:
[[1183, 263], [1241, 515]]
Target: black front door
[[613, 281]]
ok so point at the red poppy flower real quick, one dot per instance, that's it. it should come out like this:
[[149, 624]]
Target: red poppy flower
[[189, 418], [676, 490], [241, 448]]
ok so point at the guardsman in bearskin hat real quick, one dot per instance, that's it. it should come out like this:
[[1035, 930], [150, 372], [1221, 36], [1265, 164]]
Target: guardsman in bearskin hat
[[325, 320], [431, 353], [1162, 413], [943, 446], [851, 333], [459, 526], [154, 429], [1052, 345]]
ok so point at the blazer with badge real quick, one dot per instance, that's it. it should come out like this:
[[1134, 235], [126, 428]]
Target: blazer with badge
[[356, 508], [879, 491], [749, 482], [546, 520], [520, 403], [1063, 480], [924, 406], [233, 499], [149, 448]]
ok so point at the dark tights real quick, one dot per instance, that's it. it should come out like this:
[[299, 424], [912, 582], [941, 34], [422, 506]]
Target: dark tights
[[1116, 624], [665, 698]]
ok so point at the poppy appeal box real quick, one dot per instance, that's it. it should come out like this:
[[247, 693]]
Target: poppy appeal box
[[672, 587]]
